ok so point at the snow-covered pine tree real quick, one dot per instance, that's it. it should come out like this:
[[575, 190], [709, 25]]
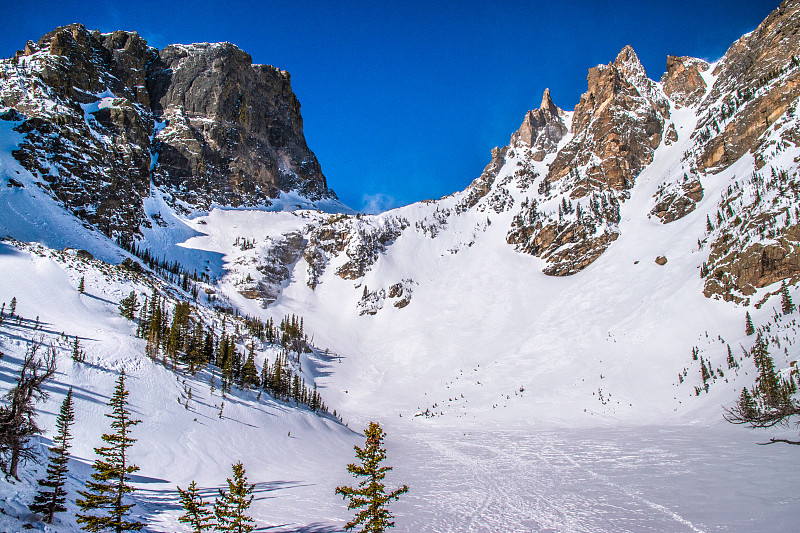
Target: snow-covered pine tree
[[197, 516], [231, 507], [371, 492], [81, 285], [748, 325], [52, 496], [128, 306], [111, 472], [786, 300]]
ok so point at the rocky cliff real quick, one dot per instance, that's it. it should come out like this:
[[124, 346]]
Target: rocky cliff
[[105, 115]]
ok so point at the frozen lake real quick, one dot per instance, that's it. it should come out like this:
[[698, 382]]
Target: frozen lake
[[641, 479]]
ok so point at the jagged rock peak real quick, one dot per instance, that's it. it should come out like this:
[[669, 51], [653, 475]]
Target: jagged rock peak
[[682, 81], [548, 105], [628, 61], [541, 128], [200, 121]]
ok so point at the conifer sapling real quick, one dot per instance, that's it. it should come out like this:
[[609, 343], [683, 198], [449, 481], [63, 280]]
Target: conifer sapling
[[52, 495], [371, 492], [231, 507], [111, 473], [197, 516]]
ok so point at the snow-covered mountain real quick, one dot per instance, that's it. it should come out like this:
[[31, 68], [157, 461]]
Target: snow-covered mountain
[[597, 274]]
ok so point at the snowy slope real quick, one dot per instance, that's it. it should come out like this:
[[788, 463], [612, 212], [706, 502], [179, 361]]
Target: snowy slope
[[181, 438], [513, 400]]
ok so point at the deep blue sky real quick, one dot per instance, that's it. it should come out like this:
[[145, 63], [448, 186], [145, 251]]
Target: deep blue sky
[[403, 102]]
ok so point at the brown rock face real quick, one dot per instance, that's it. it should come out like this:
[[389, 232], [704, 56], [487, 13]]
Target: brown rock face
[[741, 272], [91, 153], [618, 122], [682, 81], [541, 129], [676, 202], [230, 132], [759, 78]]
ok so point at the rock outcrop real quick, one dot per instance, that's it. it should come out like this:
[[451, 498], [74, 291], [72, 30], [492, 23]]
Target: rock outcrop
[[541, 129], [678, 200], [683, 82], [616, 127], [233, 132], [103, 115], [758, 79]]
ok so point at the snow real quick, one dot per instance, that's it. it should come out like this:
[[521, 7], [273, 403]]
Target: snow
[[513, 401]]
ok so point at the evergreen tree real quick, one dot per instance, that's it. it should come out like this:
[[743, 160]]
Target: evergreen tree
[[748, 325], [197, 516], [768, 383], [770, 402], [78, 355], [111, 472], [52, 495], [249, 370], [371, 492], [731, 360], [12, 308], [128, 306], [231, 506], [81, 285], [786, 300]]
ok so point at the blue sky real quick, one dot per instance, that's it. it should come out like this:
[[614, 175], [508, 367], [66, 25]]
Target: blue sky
[[403, 101]]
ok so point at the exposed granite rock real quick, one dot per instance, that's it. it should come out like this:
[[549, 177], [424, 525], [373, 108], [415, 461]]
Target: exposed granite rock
[[661, 260], [740, 272], [373, 301], [672, 134], [758, 80], [572, 240], [678, 200], [682, 81], [234, 132], [361, 240], [275, 265], [94, 108], [541, 129], [616, 127]]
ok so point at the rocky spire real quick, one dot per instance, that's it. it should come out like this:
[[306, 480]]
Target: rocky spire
[[548, 105], [541, 128]]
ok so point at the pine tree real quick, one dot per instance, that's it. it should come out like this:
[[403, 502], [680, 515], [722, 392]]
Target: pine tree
[[52, 495], [748, 325], [249, 370], [81, 285], [768, 382], [786, 300], [370, 492], [111, 472], [78, 355], [128, 306], [13, 306], [231, 506], [197, 516]]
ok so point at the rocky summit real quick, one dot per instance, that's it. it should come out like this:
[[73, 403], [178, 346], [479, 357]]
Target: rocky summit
[[105, 116]]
